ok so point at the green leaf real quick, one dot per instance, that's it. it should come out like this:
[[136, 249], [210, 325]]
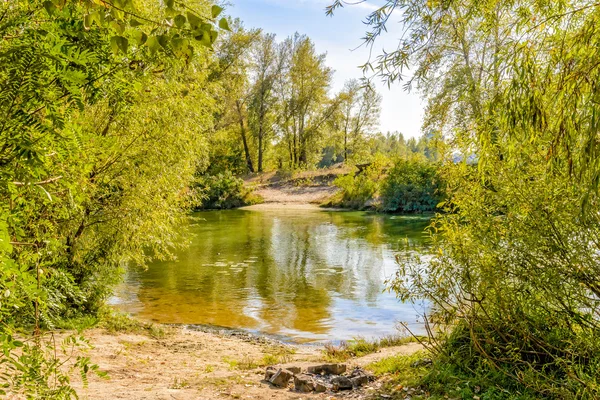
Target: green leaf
[[223, 24], [194, 20], [50, 7], [213, 36], [163, 40], [179, 21], [96, 17], [180, 46], [117, 27], [153, 44], [119, 43], [87, 22], [140, 37], [5, 245], [204, 38], [216, 11], [134, 22]]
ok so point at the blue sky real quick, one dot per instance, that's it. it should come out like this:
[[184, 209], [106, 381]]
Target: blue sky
[[336, 36]]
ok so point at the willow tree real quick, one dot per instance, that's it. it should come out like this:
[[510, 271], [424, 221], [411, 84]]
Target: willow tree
[[102, 106], [512, 89]]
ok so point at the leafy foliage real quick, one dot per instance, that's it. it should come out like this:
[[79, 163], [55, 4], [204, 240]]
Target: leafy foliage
[[411, 186], [102, 109], [357, 190], [221, 191], [514, 285]]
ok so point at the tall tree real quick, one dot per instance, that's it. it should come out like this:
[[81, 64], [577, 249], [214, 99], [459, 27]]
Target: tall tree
[[266, 67], [305, 105], [512, 87], [232, 70], [360, 107]]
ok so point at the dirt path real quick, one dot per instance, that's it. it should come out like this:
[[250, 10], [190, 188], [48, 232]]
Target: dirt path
[[303, 188], [197, 365]]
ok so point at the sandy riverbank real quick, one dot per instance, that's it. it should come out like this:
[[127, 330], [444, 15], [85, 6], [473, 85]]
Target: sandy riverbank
[[198, 365]]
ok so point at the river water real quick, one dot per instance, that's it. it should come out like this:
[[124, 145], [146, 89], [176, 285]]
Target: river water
[[307, 275]]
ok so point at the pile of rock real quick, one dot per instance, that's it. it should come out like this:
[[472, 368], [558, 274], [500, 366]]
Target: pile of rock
[[318, 378]]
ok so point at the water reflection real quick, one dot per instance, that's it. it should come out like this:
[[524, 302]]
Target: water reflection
[[310, 275]]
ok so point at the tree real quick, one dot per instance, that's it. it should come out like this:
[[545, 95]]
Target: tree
[[360, 107], [510, 87], [232, 64], [303, 92], [103, 108], [268, 60]]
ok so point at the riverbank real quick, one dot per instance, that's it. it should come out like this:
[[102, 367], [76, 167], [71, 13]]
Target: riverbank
[[187, 364], [299, 189]]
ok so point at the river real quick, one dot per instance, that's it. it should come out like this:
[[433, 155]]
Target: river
[[306, 275]]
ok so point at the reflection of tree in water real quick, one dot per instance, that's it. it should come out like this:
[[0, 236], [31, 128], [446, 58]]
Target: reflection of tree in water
[[268, 271]]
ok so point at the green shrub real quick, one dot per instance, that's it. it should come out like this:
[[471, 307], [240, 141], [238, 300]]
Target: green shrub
[[356, 191], [360, 188], [411, 186], [222, 191]]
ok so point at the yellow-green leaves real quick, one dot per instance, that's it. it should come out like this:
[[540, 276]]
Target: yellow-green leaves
[[194, 20], [216, 11], [223, 24], [96, 17], [179, 20], [153, 44], [119, 43], [139, 37]]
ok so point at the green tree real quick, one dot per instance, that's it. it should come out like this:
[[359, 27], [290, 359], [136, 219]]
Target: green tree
[[514, 287], [360, 107], [232, 68], [102, 108], [305, 105], [267, 66]]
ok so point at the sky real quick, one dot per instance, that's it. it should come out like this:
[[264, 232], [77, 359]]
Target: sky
[[337, 36]]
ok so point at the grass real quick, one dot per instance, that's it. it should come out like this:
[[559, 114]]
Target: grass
[[116, 322], [274, 355], [401, 368], [361, 347], [244, 364], [404, 377]]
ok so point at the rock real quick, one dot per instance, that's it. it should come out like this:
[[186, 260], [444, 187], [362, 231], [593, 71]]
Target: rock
[[358, 381], [321, 387], [327, 369], [294, 370], [304, 383], [269, 372], [341, 383], [359, 377], [281, 378]]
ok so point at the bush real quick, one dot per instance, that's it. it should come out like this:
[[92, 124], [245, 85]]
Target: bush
[[411, 186], [221, 191], [356, 190], [360, 188]]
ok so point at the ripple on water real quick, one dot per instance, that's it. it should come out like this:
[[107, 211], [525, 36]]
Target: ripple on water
[[309, 275]]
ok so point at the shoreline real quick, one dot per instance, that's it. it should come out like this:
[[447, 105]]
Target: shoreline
[[190, 364]]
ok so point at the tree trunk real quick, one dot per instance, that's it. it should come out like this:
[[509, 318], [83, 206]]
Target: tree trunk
[[260, 136], [243, 133], [260, 151], [345, 146]]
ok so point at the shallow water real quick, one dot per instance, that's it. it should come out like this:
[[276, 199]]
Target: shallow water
[[306, 275]]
